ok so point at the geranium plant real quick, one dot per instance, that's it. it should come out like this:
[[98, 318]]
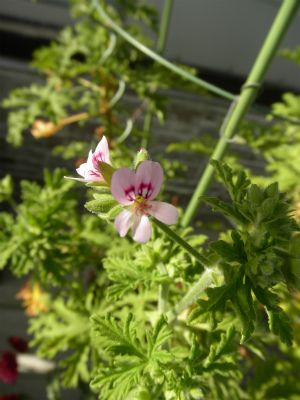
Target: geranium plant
[[131, 299]]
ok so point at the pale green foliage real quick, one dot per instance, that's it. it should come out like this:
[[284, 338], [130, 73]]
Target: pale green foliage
[[144, 367], [136, 360], [62, 328]]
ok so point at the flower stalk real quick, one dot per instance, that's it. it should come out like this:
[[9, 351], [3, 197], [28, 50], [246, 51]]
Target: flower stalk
[[192, 295], [176, 238], [247, 96], [163, 293]]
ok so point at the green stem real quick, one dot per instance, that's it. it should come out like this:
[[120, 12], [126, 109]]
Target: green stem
[[182, 243], [192, 295], [246, 98], [196, 290], [160, 47], [164, 26], [163, 293], [156, 57], [147, 127]]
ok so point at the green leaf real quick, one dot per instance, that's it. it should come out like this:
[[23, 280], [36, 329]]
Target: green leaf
[[224, 208], [217, 298], [267, 208], [280, 325], [272, 190], [225, 250], [6, 188], [278, 321], [135, 359], [118, 340], [102, 204], [157, 337], [76, 367], [222, 348], [106, 170], [98, 186], [244, 306], [255, 196], [236, 185]]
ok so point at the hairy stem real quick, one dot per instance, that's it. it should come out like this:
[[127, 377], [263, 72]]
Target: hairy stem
[[192, 295], [163, 293], [147, 127], [182, 243], [243, 102]]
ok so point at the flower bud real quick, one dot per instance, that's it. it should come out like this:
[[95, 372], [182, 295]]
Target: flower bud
[[42, 129], [141, 156]]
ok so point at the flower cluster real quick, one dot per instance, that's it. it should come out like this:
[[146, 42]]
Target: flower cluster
[[134, 190]]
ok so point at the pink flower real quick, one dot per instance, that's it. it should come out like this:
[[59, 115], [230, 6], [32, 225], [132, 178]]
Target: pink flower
[[136, 191], [90, 170], [8, 367]]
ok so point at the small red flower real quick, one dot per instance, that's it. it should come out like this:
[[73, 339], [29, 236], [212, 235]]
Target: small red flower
[[8, 367], [19, 344]]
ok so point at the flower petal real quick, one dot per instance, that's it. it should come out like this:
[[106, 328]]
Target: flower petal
[[123, 222], [93, 175], [102, 151], [82, 169], [148, 180], [141, 230], [164, 212], [122, 186]]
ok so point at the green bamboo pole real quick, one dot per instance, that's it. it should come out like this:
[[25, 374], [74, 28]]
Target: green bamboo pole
[[160, 47], [246, 98], [164, 26], [156, 57]]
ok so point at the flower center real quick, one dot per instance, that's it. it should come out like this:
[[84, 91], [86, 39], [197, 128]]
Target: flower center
[[140, 205]]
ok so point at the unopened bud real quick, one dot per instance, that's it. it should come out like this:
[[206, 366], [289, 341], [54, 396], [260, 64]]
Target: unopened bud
[[42, 129], [141, 156]]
